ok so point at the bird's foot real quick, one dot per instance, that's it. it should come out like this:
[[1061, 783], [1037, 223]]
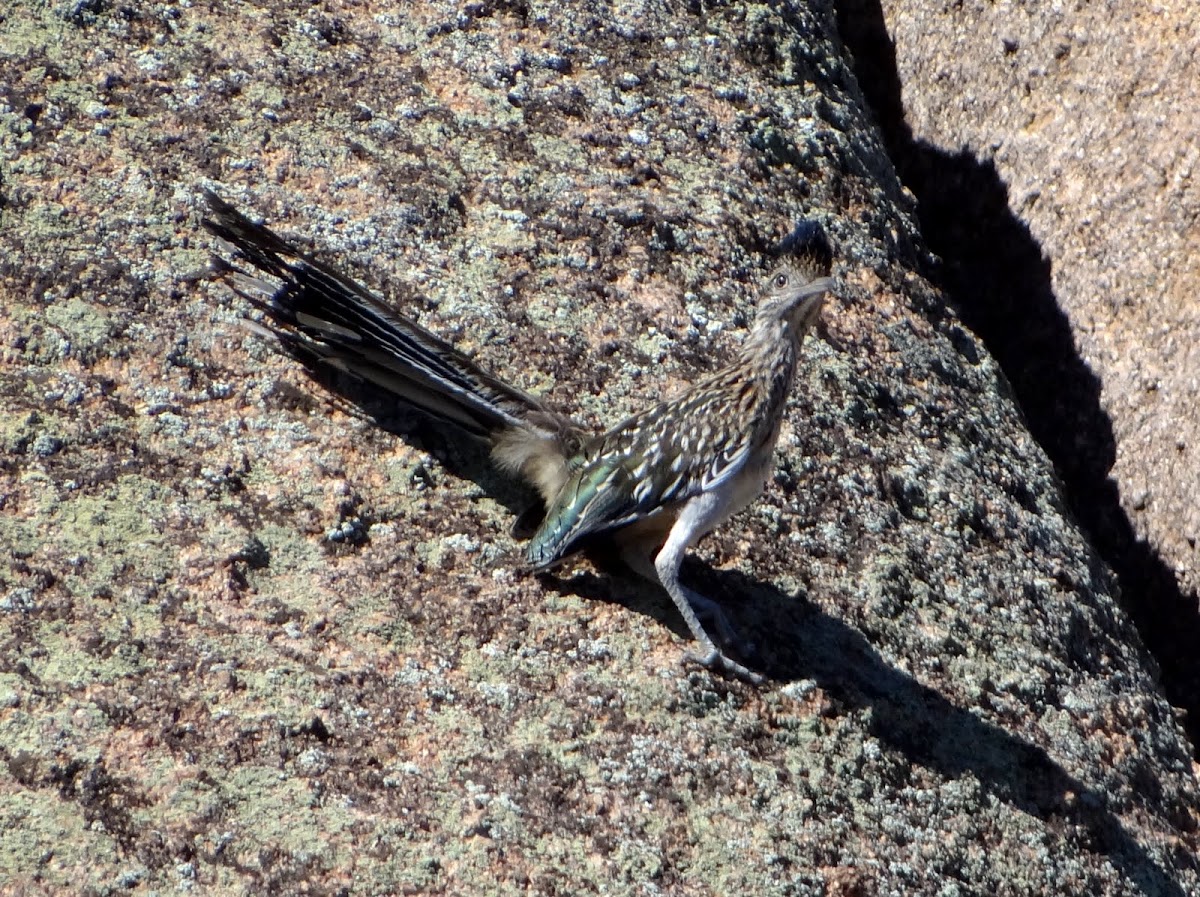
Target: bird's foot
[[715, 659]]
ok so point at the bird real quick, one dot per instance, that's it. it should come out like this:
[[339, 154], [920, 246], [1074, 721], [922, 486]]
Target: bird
[[652, 485]]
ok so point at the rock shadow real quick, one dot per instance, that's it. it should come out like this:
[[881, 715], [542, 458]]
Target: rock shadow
[[999, 279]]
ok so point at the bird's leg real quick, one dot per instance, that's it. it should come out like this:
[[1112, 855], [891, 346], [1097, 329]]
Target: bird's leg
[[638, 560], [699, 516]]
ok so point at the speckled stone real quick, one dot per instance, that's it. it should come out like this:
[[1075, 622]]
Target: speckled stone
[[201, 688]]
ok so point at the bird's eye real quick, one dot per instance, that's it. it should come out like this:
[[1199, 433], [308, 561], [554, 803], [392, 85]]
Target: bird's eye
[[781, 281]]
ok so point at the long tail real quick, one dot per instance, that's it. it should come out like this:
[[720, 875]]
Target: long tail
[[322, 317]]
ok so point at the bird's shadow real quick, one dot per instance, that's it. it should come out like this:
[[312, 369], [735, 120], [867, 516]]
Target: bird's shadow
[[799, 641]]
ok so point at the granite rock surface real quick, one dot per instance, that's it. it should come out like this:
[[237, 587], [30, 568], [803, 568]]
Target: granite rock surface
[[263, 635]]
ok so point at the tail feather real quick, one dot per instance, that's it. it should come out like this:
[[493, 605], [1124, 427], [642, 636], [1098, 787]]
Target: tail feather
[[321, 317]]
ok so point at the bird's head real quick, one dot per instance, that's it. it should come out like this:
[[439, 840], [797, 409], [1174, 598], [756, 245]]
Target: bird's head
[[796, 287]]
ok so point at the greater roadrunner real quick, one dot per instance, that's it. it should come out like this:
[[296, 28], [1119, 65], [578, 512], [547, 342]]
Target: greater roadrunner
[[655, 483]]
